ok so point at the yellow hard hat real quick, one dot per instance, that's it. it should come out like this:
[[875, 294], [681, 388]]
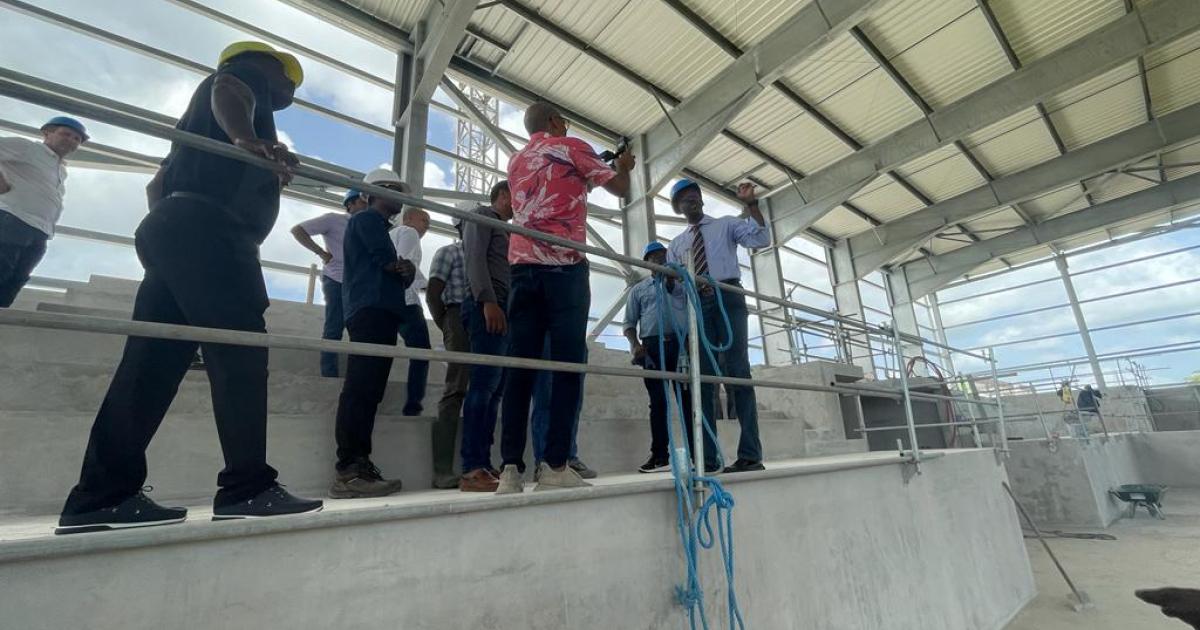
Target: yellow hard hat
[[291, 65]]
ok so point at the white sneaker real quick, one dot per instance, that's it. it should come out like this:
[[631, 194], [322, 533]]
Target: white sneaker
[[550, 479], [511, 481]]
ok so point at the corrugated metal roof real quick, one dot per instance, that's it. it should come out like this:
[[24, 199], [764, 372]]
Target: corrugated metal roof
[[888, 202], [1119, 185], [900, 24], [805, 144], [604, 96], [957, 60], [745, 22], [769, 111], [498, 22], [585, 20], [841, 223], [1189, 153], [942, 174], [1020, 119], [537, 59], [771, 176], [1175, 84], [1109, 111], [683, 58], [402, 13], [1017, 150], [1035, 28], [870, 108], [1055, 203], [723, 160], [1173, 50], [950, 242], [996, 223], [829, 69]]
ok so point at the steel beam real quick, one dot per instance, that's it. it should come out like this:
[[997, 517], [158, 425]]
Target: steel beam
[[1118, 42], [928, 275], [477, 118], [676, 140], [442, 29], [848, 301], [892, 240], [1080, 322], [767, 271]]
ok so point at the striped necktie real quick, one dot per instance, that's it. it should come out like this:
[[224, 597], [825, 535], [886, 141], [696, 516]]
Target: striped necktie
[[699, 255]]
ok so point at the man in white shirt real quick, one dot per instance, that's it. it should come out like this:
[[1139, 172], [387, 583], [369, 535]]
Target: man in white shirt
[[32, 185], [414, 222], [331, 226]]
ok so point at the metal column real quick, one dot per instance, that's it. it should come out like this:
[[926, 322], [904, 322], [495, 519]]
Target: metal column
[[904, 318], [849, 304], [779, 345], [1080, 322]]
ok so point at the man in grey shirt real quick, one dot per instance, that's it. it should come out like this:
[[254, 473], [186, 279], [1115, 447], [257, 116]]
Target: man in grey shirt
[[485, 252]]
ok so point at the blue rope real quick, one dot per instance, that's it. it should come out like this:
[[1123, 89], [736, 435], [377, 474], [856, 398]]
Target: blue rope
[[696, 534]]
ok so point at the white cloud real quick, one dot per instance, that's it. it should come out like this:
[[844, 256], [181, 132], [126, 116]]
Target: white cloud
[[436, 177]]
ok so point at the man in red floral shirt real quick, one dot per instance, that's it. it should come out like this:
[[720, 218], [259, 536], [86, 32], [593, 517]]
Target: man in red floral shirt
[[549, 293]]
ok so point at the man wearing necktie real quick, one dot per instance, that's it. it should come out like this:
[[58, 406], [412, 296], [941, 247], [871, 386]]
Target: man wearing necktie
[[711, 243]]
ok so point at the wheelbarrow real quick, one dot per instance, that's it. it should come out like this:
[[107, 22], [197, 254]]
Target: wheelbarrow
[[1145, 495]]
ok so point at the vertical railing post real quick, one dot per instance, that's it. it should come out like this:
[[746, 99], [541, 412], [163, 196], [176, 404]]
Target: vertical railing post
[[1038, 405], [908, 412], [991, 353], [694, 366], [312, 284]]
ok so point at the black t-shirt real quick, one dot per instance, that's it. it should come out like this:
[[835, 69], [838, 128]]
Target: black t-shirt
[[249, 194]]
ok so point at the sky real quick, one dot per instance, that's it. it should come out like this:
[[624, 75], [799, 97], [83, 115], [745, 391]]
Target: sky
[[114, 202]]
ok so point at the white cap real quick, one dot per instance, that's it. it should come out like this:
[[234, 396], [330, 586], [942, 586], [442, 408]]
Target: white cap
[[382, 176]]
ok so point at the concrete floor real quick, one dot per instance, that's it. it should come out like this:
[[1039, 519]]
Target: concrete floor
[[1148, 553]]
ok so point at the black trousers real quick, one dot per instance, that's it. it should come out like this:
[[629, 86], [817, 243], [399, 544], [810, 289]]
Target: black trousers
[[200, 271], [21, 249], [667, 360], [367, 377]]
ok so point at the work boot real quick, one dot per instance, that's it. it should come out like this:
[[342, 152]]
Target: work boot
[[136, 511], [745, 465], [274, 501], [362, 479], [578, 466], [550, 479], [478, 480], [510, 481]]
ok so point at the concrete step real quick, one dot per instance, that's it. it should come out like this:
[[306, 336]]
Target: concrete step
[[185, 456], [29, 298]]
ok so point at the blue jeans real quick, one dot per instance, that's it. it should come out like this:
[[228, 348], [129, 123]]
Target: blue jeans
[[414, 330], [545, 301], [482, 402], [334, 323], [21, 249], [540, 418], [736, 362]]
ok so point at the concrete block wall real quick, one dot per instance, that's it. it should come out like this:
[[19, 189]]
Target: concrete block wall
[[1124, 409], [1175, 408]]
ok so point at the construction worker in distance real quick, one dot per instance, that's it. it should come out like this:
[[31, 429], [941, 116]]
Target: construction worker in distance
[[331, 226], [643, 315], [374, 290], [550, 178], [32, 186], [199, 246], [711, 243]]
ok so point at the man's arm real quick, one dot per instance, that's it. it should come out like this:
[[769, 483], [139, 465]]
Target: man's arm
[[301, 235], [233, 108], [381, 252], [476, 240], [633, 312], [619, 184], [407, 242], [12, 149], [754, 233]]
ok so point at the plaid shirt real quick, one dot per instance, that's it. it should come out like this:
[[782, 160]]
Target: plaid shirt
[[447, 265]]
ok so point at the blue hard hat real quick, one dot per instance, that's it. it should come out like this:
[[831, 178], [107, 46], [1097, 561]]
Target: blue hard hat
[[681, 186], [68, 122], [653, 246], [351, 195]]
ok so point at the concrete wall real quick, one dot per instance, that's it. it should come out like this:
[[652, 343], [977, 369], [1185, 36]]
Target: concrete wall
[[1124, 410], [1065, 482], [846, 549], [1175, 408]]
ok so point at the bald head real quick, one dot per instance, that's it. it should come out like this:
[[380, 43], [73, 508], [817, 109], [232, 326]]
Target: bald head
[[544, 117]]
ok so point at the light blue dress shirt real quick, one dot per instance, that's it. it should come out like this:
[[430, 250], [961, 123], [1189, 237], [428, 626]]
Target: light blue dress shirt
[[722, 235]]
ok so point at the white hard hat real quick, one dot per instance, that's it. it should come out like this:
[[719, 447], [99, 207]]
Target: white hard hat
[[382, 176]]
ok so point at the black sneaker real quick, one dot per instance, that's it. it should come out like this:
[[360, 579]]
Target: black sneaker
[[274, 501], [655, 465], [136, 511], [745, 465], [412, 409]]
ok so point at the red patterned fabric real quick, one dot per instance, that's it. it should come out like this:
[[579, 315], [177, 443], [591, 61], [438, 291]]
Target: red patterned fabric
[[549, 180]]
